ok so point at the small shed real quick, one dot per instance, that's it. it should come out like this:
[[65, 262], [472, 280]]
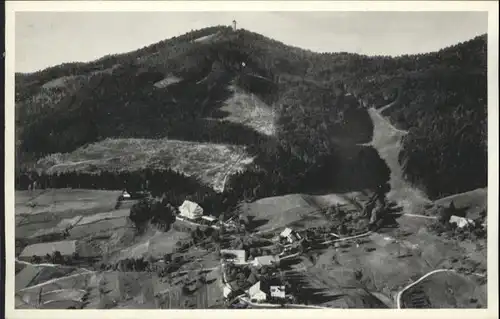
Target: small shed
[[190, 210], [125, 195]]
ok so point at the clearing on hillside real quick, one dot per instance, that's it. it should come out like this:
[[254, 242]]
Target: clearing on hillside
[[248, 109], [209, 162], [387, 141]]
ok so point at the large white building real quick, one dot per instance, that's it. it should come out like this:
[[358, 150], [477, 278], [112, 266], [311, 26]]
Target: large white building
[[190, 210]]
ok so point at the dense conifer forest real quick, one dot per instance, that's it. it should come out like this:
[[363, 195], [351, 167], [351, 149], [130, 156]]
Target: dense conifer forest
[[442, 95]]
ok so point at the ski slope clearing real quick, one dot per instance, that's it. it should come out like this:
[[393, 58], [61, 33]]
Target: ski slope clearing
[[387, 141]]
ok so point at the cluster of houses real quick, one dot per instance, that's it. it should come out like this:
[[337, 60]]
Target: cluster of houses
[[260, 291]]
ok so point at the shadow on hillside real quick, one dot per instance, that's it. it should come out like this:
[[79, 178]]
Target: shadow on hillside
[[307, 294], [354, 168], [256, 223]]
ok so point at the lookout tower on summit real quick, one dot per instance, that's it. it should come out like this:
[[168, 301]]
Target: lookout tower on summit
[[234, 25]]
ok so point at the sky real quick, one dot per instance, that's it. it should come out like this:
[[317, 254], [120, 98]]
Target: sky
[[44, 39]]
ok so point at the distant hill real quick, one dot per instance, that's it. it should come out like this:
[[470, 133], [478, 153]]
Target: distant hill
[[180, 89]]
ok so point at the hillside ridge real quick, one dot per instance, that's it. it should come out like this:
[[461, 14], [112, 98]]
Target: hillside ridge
[[318, 100]]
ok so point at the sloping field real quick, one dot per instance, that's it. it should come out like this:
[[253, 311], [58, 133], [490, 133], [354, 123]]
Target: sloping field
[[53, 232], [410, 258], [98, 227], [204, 160], [387, 141], [446, 290], [116, 214], [279, 211], [156, 245], [69, 222], [58, 201], [48, 273], [66, 247], [52, 211], [63, 294], [26, 276], [297, 210], [472, 203], [248, 109], [62, 304], [75, 281]]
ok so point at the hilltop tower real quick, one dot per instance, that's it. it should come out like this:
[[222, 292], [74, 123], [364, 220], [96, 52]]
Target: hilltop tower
[[234, 25]]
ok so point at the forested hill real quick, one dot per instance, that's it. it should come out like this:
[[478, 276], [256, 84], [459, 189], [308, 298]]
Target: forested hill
[[443, 104]]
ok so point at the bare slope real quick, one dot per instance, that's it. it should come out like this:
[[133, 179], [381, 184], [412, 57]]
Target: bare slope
[[210, 162], [248, 109], [387, 141]]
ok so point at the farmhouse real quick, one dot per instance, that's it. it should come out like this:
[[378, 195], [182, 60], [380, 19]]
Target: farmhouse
[[236, 256], [290, 235], [125, 195], [256, 294], [461, 221], [66, 248], [190, 210], [265, 261]]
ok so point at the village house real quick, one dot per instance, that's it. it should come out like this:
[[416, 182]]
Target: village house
[[238, 256], [290, 235], [125, 195], [265, 261], [190, 210], [277, 291], [256, 294], [461, 222]]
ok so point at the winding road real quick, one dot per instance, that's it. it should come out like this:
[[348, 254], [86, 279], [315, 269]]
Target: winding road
[[400, 293]]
